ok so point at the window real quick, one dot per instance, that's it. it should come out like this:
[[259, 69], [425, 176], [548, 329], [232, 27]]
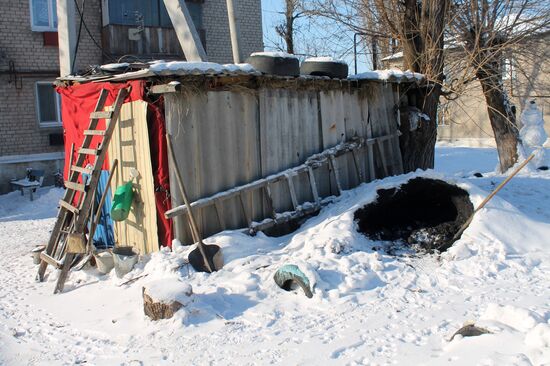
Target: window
[[151, 12], [48, 106], [43, 15]]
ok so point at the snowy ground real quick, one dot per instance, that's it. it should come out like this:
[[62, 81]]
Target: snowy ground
[[368, 307]]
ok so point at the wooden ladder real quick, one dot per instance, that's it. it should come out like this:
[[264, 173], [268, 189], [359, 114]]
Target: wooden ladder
[[68, 235]]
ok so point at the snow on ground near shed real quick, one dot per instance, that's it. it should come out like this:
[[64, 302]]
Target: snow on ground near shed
[[367, 308]]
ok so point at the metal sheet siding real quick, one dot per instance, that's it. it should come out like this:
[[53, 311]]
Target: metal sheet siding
[[227, 138]]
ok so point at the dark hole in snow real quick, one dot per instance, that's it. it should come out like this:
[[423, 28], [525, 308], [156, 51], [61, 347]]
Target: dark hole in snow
[[424, 213]]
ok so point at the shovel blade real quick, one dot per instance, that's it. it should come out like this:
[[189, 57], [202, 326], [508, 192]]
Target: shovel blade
[[213, 255]]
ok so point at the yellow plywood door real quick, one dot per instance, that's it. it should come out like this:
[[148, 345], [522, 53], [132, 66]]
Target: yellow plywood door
[[130, 145]]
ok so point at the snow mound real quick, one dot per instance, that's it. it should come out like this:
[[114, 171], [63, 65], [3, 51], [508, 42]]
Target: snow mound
[[169, 289], [517, 318], [388, 75], [325, 59], [274, 54]]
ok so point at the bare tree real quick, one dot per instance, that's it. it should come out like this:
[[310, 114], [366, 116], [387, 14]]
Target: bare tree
[[418, 26], [488, 33], [293, 11]]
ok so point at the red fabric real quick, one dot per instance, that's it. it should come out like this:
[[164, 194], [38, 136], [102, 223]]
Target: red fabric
[[78, 101], [159, 162]]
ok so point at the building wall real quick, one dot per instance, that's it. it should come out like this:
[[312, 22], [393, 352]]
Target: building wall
[[216, 23], [20, 133], [33, 61], [466, 118]]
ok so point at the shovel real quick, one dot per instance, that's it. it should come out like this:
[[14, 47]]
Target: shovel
[[204, 258], [490, 196]]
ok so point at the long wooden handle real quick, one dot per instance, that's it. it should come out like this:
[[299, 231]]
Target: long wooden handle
[[194, 228], [490, 196]]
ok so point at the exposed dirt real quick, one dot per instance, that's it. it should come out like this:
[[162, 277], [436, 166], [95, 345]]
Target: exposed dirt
[[423, 213]]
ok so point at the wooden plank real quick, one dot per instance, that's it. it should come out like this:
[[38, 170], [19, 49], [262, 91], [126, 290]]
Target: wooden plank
[[101, 115], [292, 190], [219, 213], [89, 151], [166, 88], [82, 170], [269, 200], [94, 133], [336, 172], [49, 260], [130, 145], [75, 186], [69, 207], [313, 185]]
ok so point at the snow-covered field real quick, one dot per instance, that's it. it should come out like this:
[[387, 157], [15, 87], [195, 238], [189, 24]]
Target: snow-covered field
[[368, 308]]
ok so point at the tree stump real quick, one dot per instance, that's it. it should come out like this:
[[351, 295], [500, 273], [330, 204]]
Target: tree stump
[[162, 305]]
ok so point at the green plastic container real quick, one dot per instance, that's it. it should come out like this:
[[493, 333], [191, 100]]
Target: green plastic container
[[122, 202]]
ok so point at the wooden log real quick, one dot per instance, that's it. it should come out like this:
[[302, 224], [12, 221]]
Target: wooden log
[[164, 303], [159, 310]]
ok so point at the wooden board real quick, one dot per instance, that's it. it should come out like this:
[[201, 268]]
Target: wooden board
[[130, 145]]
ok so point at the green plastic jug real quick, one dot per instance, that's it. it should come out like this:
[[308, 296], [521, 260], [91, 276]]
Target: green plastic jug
[[122, 202]]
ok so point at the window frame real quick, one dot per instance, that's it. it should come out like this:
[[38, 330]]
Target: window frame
[[47, 124], [51, 11]]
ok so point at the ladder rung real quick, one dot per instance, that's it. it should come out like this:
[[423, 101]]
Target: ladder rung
[[88, 151], [68, 206], [51, 261], [101, 115], [75, 186], [94, 132], [79, 169]]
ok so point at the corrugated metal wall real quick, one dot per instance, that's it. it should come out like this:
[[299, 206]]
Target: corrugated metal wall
[[227, 138]]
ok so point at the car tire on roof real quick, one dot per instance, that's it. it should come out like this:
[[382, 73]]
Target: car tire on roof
[[332, 69], [275, 65]]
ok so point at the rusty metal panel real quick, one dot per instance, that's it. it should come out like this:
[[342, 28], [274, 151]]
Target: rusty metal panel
[[130, 145]]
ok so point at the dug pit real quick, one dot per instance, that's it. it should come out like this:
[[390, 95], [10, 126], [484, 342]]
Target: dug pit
[[423, 213]]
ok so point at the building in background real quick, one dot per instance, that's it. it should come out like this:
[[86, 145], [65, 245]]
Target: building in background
[[466, 118], [31, 134]]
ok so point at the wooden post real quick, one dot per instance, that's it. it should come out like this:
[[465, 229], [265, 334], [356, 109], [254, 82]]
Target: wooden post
[[66, 33], [185, 30], [234, 31]]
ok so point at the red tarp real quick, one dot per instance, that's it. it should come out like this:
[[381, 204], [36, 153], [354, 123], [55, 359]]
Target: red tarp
[[78, 101]]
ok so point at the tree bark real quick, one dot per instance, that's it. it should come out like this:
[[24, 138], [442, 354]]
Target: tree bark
[[503, 120], [289, 25], [423, 26]]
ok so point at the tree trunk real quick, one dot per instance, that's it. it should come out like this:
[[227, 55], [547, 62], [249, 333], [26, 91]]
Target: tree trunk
[[289, 25], [503, 120], [418, 146], [423, 26]]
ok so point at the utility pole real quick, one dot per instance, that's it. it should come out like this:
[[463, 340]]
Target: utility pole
[[66, 33], [185, 30], [235, 34]]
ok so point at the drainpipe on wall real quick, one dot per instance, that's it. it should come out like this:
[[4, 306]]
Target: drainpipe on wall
[[235, 34], [66, 33]]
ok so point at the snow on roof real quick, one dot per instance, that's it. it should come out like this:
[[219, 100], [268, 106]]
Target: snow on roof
[[164, 68], [395, 56], [325, 59], [274, 54], [392, 75]]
